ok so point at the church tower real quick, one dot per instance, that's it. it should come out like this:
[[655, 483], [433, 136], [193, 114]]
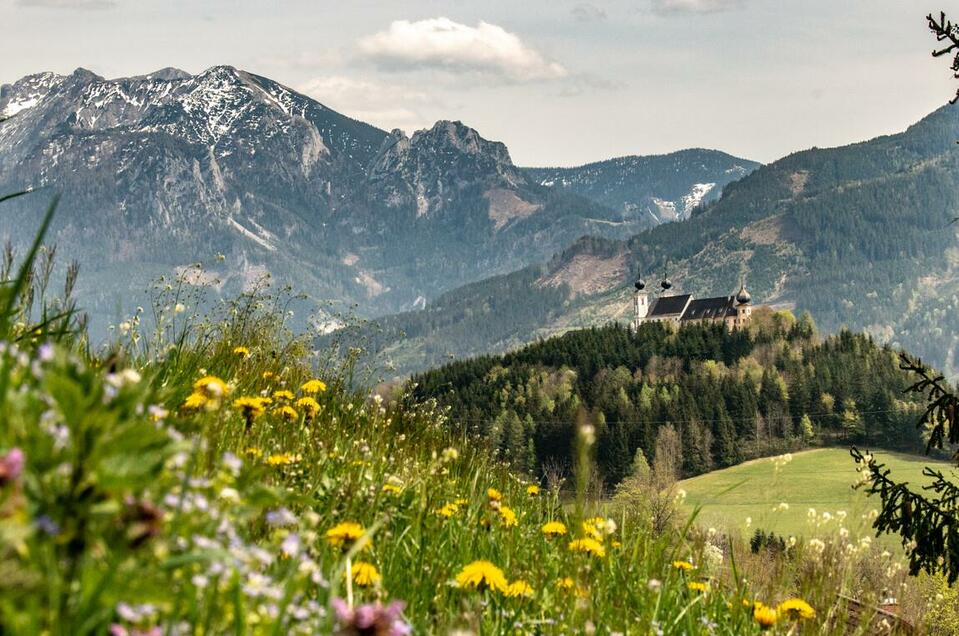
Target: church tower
[[666, 284], [640, 301], [744, 309]]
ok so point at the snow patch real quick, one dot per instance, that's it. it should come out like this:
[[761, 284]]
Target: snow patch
[[667, 210], [15, 107], [259, 240], [695, 197]]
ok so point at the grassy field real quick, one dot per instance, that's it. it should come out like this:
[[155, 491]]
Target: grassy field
[[749, 496]]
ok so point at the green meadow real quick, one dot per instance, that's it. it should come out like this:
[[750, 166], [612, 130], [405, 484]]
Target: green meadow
[[750, 495]]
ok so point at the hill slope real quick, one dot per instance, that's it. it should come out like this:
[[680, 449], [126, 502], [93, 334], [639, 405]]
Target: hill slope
[[857, 235], [715, 397]]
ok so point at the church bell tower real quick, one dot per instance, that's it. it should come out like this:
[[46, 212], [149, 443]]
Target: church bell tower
[[640, 301]]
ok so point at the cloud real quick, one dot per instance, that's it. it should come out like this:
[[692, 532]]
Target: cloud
[[441, 43], [694, 6], [586, 12], [384, 105], [69, 4]]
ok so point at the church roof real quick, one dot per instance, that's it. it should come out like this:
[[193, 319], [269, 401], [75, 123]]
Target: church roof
[[669, 306], [710, 308]]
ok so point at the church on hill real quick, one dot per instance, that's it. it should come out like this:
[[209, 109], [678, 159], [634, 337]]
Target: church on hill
[[734, 310]]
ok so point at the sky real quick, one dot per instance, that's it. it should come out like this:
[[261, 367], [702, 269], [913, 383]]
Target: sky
[[561, 82]]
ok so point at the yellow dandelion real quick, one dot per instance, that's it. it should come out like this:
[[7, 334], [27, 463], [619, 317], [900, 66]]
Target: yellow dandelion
[[591, 531], [494, 495], [242, 352], [616, 544], [696, 586], [288, 413], [683, 566], [554, 529], [309, 406], [365, 574], [344, 535], [532, 490], [508, 517], [460, 502], [764, 616], [268, 375], [482, 575], [796, 609], [283, 394], [565, 583], [252, 407], [212, 387], [253, 451], [519, 588], [313, 386], [588, 546], [392, 489], [282, 459], [195, 401], [447, 511]]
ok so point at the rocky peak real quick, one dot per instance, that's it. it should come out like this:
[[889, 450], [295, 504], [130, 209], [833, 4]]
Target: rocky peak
[[168, 74], [460, 138], [429, 169], [83, 75], [26, 92], [394, 148]]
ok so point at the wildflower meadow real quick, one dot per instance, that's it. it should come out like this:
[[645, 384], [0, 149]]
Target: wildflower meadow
[[210, 473]]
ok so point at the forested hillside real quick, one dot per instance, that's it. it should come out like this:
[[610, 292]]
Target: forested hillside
[[701, 396], [860, 236]]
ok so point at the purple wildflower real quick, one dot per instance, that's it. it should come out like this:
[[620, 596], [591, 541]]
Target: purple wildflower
[[372, 619], [280, 517], [45, 352], [47, 525], [11, 465]]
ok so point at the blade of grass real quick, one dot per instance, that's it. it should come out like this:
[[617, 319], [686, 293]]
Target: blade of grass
[[21, 279], [7, 197]]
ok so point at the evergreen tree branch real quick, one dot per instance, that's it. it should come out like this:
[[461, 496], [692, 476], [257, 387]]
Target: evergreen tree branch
[[928, 527], [945, 30], [942, 407]]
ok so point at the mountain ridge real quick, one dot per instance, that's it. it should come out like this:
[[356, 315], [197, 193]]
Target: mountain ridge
[[856, 234], [233, 163]]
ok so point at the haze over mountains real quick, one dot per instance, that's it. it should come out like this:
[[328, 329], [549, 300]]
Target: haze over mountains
[[162, 170], [166, 169]]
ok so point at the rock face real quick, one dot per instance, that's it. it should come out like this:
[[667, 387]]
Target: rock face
[[162, 170]]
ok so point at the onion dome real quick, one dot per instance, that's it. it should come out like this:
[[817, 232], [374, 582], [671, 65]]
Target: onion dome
[[666, 284], [640, 284], [743, 297]]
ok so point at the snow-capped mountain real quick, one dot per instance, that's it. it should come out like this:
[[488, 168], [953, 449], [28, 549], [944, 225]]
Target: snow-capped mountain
[[162, 170]]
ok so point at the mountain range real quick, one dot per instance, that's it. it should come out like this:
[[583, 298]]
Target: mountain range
[[452, 248], [860, 236], [164, 170]]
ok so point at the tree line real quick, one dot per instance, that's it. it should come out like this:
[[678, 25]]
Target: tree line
[[704, 395]]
